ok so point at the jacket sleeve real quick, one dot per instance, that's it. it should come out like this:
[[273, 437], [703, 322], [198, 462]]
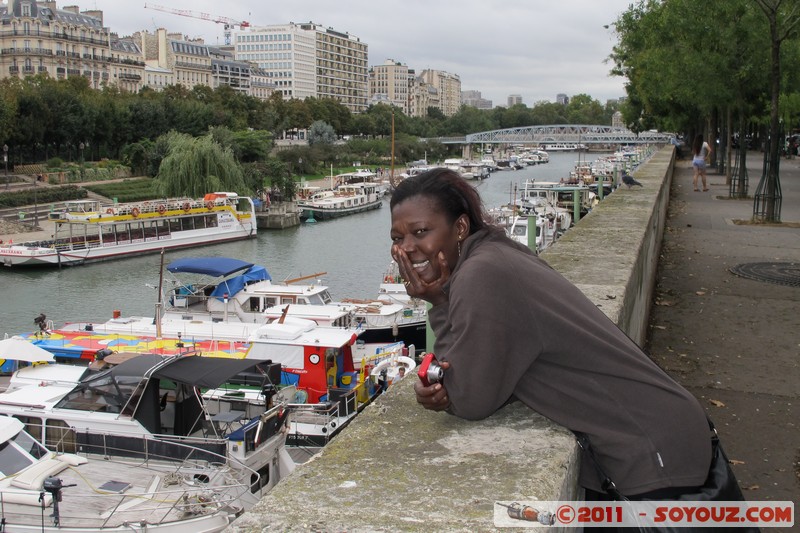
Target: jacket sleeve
[[484, 333]]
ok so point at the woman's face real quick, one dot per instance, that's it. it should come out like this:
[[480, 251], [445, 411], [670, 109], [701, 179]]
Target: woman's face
[[421, 230]]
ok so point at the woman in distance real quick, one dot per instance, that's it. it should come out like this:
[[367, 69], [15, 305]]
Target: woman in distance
[[509, 327], [701, 151]]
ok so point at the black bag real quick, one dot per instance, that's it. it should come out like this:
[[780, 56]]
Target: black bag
[[720, 484]]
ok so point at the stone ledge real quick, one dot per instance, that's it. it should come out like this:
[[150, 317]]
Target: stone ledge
[[418, 470]]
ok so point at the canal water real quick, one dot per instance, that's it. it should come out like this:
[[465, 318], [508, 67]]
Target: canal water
[[353, 252]]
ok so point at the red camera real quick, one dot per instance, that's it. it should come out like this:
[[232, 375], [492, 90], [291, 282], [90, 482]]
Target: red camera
[[429, 371]]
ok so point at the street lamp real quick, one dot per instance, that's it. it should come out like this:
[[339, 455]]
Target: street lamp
[[81, 146], [5, 159], [35, 202]]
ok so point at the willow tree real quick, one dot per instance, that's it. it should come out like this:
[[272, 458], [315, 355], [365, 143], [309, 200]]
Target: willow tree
[[195, 166]]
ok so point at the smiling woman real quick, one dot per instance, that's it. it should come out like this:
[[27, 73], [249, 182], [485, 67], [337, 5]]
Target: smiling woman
[[508, 327]]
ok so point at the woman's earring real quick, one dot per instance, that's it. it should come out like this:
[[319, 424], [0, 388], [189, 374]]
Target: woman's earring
[[459, 247]]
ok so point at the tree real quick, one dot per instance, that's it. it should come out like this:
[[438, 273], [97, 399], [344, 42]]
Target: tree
[[782, 18], [321, 133], [196, 166]]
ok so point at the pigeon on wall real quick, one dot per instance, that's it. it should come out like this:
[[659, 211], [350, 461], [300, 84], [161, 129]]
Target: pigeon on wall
[[628, 180]]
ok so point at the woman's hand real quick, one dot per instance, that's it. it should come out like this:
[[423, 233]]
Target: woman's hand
[[433, 397], [416, 287]]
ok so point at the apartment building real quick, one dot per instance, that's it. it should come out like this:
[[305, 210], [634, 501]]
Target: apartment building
[[308, 59], [474, 99], [449, 88], [38, 38], [514, 99], [389, 83]]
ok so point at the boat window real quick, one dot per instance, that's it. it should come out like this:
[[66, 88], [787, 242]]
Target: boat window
[[137, 231], [211, 221], [30, 445], [58, 436], [33, 425], [103, 394], [519, 229], [255, 304], [269, 301], [12, 460]]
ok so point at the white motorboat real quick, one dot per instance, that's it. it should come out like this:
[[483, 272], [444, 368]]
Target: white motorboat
[[192, 401], [159, 488], [546, 231], [86, 231]]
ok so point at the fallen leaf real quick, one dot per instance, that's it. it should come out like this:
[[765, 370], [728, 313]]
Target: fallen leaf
[[716, 403], [700, 293], [735, 462], [752, 487], [660, 327], [665, 303]]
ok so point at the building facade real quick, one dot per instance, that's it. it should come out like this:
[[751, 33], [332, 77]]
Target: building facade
[[305, 60], [514, 99], [474, 99], [449, 88], [389, 83], [40, 38]]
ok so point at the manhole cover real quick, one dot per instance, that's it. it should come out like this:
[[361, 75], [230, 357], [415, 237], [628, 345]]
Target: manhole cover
[[780, 273]]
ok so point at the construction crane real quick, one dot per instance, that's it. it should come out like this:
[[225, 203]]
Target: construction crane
[[229, 23]]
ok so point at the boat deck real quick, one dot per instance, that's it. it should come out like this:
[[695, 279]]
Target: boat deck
[[111, 493]]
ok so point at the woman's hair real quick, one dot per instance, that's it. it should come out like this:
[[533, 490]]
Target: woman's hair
[[447, 188], [697, 145]]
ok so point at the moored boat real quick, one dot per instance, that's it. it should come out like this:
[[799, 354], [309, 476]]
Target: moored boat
[[187, 400], [88, 492], [86, 231], [346, 199]]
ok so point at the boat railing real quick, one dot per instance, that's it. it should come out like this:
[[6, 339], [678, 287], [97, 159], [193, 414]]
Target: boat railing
[[185, 457]]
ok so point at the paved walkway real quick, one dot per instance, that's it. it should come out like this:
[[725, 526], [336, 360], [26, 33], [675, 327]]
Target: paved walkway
[[735, 342]]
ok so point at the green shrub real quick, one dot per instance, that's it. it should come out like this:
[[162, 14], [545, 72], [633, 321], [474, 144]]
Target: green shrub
[[42, 195], [55, 163]]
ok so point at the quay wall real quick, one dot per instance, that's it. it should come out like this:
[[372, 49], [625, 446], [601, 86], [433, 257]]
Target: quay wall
[[398, 467]]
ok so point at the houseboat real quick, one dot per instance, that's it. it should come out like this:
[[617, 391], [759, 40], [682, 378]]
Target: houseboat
[[345, 199], [86, 231]]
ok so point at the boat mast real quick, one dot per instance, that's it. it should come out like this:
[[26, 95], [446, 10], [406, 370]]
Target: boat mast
[[159, 302], [391, 175]]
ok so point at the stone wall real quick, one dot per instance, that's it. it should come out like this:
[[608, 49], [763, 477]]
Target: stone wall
[[398, 467]]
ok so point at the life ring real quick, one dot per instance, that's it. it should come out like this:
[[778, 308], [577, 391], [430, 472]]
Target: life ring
[[109, 211], [135, 212], [162, 209], [209, 205], [186, 207]]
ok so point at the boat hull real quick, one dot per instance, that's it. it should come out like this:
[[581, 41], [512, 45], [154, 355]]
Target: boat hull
[[316, 213], [21, 256], [86, 231]]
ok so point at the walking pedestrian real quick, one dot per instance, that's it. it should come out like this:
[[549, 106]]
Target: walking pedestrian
[[701, 151]]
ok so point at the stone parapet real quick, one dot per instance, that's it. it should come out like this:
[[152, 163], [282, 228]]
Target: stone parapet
[[398, 467]]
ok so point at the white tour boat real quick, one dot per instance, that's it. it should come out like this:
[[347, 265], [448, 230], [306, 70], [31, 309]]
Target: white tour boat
[[86, 231]]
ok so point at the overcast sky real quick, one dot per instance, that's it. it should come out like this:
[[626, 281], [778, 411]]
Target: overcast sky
[[534, 48]]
